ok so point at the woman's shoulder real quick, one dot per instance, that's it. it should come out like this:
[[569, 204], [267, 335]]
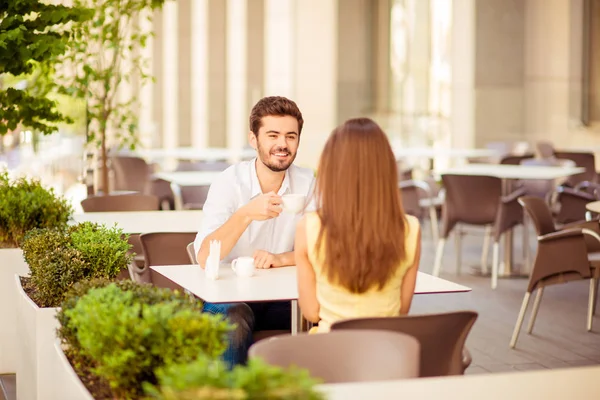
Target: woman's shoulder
[[413, 222]]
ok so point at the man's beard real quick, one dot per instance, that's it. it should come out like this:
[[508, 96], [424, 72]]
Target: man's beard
[[275, 166]]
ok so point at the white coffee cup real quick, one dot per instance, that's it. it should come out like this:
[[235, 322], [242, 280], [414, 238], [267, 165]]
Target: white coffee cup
[[293, 203], [243, 266]]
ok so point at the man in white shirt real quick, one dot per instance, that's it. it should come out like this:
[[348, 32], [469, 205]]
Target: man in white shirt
[[243, 211]]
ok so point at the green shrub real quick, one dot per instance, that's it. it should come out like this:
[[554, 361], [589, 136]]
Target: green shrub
[[127, 337], [209, 379], [24, 205], [60, 257]]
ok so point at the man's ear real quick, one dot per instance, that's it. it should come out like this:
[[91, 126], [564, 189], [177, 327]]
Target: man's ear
[[252, 140]]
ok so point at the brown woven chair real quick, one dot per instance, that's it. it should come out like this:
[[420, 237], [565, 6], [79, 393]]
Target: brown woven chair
[[123, 202], [442, 338], [162, 189], [418, 201], [544, 149], [131, 173], [584, 160], [194, 197], [344, 356], [562, 256], [513, 159], [191, 254], [163, 248], [477, 200]]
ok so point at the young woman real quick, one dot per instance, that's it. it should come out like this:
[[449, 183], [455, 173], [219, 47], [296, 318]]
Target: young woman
[[358, 254]]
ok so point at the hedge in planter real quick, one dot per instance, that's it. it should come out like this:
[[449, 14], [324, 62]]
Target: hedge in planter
[[59, 258], [24, 205], [206, 379], [125, 331]]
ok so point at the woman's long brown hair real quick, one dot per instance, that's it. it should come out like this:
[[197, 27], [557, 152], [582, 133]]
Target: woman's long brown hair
[[361, 241]]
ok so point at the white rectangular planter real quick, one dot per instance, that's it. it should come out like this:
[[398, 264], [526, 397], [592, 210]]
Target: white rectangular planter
[[38, 362], [67, 384], [11, 263]]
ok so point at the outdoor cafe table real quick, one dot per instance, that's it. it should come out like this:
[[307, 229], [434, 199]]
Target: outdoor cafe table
[[274, 284], [146, 221], [594, 206], [194, 154], [507, 173], [186, 178]]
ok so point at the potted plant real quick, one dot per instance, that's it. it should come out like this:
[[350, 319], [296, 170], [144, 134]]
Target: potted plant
[[24, 205], [58, 258], [128, 340], [116, 335], [209, 379], [107, 55]]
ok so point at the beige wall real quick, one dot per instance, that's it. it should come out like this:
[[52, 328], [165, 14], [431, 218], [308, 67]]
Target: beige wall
[[488, 65], [217, 73], [354, 94]]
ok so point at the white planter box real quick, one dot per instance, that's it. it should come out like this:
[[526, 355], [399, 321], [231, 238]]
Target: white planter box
[[11, 263], [38, 362], [68, 386]]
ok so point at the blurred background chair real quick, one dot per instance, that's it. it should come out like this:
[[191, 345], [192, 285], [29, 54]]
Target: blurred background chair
[[193, 197], [122, 202], [562, 256], [344, 356], [191, 253], [442, 338], [477, 200], [584, 160], [163, 248], [417, 200], [131, 173]]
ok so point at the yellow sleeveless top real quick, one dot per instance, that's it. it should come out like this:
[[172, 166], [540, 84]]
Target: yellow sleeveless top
[[338, 303]]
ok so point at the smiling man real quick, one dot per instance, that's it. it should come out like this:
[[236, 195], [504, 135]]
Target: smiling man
[[243, 210]]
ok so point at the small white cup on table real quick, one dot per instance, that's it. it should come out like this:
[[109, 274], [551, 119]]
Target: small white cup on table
[[243, 267]]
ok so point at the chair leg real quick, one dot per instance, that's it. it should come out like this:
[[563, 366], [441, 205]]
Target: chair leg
[[495, 264], [595, 297], [435, 230], [437, 265], [592, 300], [526, 248], [486, 248], [458, 249], [515, 335], [536, 306]]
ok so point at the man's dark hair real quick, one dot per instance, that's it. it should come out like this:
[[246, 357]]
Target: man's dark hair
[[275, 106]]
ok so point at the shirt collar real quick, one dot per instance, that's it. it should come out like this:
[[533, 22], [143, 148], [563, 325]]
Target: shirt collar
[[255, 184]]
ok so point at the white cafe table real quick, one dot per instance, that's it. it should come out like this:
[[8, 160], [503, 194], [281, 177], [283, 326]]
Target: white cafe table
[[581, 383], [594, 206], [186, 178], [194, 154], [446, 152], [146, 221], [189, 178], [511, 172], [274, 284]]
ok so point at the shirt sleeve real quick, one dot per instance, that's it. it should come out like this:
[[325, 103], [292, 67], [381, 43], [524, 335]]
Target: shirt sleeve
[[219, 207]]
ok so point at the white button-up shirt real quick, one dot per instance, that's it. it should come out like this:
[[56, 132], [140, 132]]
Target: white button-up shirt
[[234, 188]]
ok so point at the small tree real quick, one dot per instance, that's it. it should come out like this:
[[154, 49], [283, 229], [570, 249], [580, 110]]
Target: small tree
[[32, 37], [103, 45]]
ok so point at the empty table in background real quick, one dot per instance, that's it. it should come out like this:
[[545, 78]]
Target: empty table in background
[[146, 221]]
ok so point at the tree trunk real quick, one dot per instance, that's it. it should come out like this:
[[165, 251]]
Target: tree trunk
[[104, 166]]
